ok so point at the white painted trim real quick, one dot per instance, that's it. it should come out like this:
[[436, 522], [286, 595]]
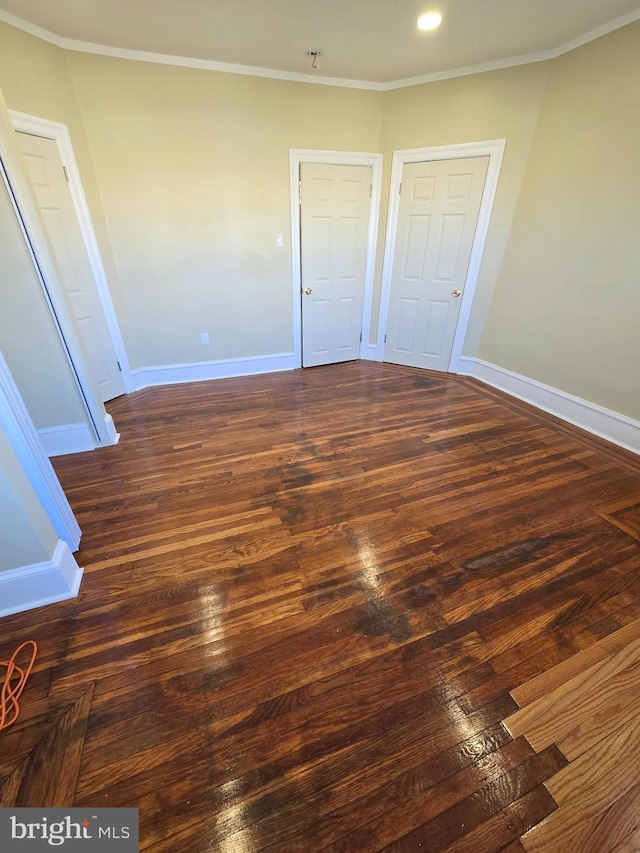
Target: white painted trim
[[68, 438], [605, 423], [494, 149], [255, 71], [57, 579], [59, 133], [19, 429], [467, 70], [369, 352], [110, 428], [199, 371], [298, 156], [181, 61]]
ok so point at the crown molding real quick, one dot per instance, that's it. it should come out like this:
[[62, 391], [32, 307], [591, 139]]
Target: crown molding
[[212, 65], [32, 29], [181, 61], [450, 74], [254, 71], [604, 30], [524, 59]]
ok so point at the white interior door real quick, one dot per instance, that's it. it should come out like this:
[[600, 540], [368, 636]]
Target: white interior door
[[437, 219], [48, 179], [334, 220]]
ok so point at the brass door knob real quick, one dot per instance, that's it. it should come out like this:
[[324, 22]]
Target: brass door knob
[[308, 291], [456, 292]]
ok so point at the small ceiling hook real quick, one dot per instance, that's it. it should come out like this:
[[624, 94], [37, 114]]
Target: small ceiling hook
[[314, 54]]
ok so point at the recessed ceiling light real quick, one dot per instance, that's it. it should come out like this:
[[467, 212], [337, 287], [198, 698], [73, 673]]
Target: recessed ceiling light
[[429, 21]]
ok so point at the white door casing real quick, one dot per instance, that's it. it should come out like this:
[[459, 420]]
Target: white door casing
[[494, 149], [334, 221], [437, 218], [297, 157], [48, 178]]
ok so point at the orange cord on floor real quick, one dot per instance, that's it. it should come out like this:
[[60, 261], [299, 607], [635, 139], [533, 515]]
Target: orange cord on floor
[[10, 693]]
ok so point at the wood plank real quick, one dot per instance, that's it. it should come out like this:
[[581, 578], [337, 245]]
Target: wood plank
[[306, 596], [499, 834], [629, 844], [618, 454], [48, 775], [624, 515], [462, 818], [603, 711], [537, 687], [587, 788], [616, 824], [572, 713], [617, 755]]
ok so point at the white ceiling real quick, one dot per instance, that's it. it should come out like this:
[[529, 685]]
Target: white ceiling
[[375, 42]]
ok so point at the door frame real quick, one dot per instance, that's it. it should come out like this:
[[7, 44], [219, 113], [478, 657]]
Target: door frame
[[59, 133], [28, 219], [298, 156], [494, 149]]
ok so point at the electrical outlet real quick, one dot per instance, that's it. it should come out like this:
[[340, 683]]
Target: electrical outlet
[[204, 337]]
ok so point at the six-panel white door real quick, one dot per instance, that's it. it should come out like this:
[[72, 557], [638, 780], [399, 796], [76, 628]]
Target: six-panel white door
[[437, 219], [334, 220], [47, 177]]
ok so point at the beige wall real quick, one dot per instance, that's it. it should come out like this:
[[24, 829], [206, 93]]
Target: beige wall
[[567, 304], [26, 534], [20, 547], [34, 79], [193, 171], [193, 168], [186, 173]]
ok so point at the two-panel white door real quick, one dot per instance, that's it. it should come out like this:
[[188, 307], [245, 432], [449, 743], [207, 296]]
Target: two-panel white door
[[334, 221], [47, 176], [437, 219]]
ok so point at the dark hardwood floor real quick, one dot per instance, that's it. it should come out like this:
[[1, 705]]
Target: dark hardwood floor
[[307, 599]]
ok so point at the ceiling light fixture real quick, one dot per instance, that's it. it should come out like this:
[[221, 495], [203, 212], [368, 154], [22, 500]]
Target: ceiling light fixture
[[429, 21], [314, 54]]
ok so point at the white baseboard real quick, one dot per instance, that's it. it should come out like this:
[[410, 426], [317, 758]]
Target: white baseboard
[[170, 374], [69, 438], [42, 583], [369, 352], [605, 423], [112, 434]]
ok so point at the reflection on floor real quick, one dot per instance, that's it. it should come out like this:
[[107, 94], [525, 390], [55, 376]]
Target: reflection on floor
[[310, 600]]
